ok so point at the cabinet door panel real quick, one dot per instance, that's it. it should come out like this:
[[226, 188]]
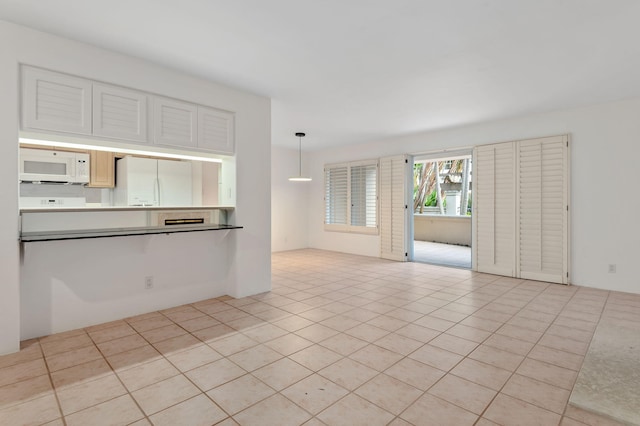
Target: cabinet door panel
[[216, 130], [102, 169], [119, 113], [57, 102], [174, 123]]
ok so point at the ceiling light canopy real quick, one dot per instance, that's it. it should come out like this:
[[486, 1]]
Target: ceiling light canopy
[[299, 178]]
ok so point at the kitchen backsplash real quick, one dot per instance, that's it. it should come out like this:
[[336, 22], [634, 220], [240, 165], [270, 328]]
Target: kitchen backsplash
[[92, 195]]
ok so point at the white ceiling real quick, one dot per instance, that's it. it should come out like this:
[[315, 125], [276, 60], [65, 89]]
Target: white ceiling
[[349, 71]]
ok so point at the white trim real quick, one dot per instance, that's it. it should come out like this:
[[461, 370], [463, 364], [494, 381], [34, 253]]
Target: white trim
[[443, 155]]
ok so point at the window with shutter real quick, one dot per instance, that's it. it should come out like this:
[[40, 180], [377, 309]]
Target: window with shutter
[[336, 195], [364, 195], [351, 197]]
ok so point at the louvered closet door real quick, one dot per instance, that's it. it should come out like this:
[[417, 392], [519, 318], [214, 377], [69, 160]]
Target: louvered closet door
[[542, 209], [494, 181], [393, 172]]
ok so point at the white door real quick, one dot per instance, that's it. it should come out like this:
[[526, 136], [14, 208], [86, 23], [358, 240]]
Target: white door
[[521, 193], [494, 248], [119, 113], [542, 209], [54, 101], [174, 183], [393, 208]]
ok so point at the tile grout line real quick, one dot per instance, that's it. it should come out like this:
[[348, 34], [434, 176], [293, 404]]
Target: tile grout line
[[202, 392], [53, 388], [394, 294], [604, 305], [526, 356], [396, 416], [118, 377], [463, 358]]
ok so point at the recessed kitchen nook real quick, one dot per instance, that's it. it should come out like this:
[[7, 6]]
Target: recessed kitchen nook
[[99, 160]]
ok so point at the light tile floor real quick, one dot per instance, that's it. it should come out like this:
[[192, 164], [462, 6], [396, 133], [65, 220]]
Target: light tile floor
[[442, 254], [340, 340]]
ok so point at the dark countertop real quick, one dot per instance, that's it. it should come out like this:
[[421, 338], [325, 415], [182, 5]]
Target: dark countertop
[[49, 209], [77, 234]]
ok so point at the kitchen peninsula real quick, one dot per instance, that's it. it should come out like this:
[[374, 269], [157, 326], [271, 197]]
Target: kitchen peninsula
[[51, 224], [120, 104]]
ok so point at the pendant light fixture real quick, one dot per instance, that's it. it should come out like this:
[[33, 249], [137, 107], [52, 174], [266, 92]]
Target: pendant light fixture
[[299, 178]]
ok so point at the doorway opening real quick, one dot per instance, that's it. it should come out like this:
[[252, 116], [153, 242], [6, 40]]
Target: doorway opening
[[442, 206]]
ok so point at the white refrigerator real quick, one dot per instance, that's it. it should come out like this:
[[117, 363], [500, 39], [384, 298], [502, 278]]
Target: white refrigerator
[[149, 182]]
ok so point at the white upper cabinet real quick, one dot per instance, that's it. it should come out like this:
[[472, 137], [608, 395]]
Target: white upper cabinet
[[119, 113], [60, 103], [215, 130], [55, 102], [175, 123]]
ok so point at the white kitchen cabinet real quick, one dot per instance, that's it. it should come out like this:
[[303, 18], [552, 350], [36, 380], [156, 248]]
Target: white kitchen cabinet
[[119, 113], [175, 123], [55, 102], [215, 130], [58, 103]]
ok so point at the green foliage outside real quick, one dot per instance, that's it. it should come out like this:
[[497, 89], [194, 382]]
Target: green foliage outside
[[432, 200]]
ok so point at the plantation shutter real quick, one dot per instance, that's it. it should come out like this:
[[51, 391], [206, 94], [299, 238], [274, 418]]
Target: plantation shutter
[[363, 195], [542, 211], [393, 172], [521, 193], [336, 195], [494, 201]]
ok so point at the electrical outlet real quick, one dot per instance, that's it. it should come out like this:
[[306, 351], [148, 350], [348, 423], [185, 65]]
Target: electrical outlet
[[612, 268], [148, 283]]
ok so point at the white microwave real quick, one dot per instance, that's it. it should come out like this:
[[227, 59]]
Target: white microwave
[[39, 165]]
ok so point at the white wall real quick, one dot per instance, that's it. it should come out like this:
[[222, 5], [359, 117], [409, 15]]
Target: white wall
[[59, 292], [442, 229], [603, 171], [246, 268], [9, 247], [288, 201]]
